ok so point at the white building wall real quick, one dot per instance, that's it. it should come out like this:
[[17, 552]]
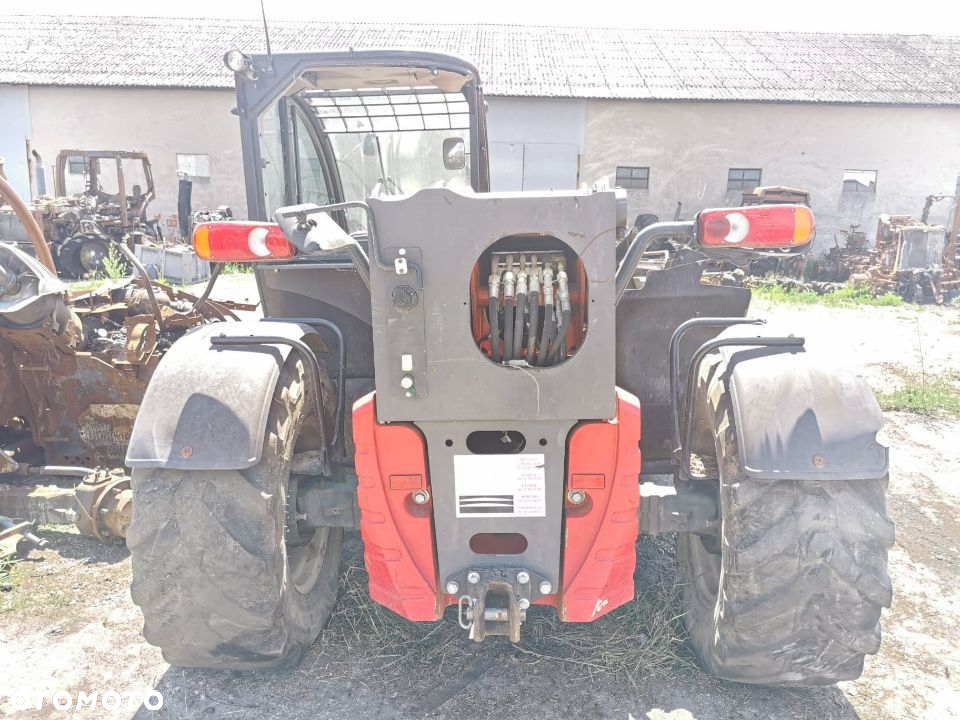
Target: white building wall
[[14, 132], [551, 142], [690, 146], [160, 122]]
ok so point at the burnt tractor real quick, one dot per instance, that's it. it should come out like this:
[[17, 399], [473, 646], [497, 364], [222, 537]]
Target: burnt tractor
[[101, 197], [915, 260], [461, 375], [74, 365], [838, 263]]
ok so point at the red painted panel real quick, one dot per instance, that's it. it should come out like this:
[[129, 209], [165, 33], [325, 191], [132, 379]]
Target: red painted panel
[[599, 554], [397, 534]]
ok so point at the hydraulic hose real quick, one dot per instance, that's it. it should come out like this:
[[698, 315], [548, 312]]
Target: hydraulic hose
[[563, 305], [559, 346], [548, 318], [493, 317], [533, 300], [546, 336], [519, 313], [507, 328], [508, 290]]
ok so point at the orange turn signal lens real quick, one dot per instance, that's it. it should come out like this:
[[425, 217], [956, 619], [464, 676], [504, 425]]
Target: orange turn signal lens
[[241, 242], [759, 227]]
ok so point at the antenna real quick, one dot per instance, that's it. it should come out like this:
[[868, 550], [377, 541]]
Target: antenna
[[266, 34]]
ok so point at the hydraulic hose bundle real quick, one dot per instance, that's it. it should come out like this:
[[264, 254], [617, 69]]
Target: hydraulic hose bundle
[[529, 310]]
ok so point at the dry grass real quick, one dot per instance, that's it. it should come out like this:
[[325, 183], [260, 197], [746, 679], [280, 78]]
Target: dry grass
[[631, 642]]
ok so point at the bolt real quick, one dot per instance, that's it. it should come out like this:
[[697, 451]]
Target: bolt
[[576, 497], [524, 603], [819, 461], [420, 497], [546, 588], [186, 451], [523, 577], [452, 587], [473, 577]]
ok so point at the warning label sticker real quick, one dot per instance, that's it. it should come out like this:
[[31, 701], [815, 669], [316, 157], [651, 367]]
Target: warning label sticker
[[500, 485]]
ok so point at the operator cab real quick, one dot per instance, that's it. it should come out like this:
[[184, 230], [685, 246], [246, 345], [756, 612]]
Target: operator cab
[[354, 125]]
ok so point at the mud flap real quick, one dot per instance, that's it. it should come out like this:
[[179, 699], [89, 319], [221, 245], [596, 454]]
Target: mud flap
[[800, 418], [206, 406]]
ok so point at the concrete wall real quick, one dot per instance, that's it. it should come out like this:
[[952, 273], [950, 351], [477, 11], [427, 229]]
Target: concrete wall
[[14, 131], [159, 122], [690, 146]]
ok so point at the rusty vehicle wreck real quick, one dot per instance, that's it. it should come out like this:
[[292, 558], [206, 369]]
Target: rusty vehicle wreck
[[74, 365]]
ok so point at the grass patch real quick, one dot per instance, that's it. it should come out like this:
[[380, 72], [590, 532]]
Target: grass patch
[[232, 268], [11, 598], [938, 395], [635, 640], [844, 297], [114, 264]]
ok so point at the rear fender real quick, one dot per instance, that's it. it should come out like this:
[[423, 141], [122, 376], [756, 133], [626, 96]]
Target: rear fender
[[798, 417], [206, 406]]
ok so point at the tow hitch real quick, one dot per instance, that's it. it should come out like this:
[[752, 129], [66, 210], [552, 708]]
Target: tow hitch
[[494, 601]]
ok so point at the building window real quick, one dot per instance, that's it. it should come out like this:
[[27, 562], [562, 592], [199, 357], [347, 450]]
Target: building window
[[76, 165], [859, 181], [193, 166], [743, 179], [633, 178]]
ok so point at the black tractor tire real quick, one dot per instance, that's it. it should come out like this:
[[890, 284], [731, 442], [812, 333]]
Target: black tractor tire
[[212, 573], [67, 259], [91, 253], [792, 590]]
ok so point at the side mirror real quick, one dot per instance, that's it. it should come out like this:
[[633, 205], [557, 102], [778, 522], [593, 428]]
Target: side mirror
[[371, 146], [454, 154], [312, 230]]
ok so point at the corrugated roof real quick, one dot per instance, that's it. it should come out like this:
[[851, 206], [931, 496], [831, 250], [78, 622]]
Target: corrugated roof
[[513, 60]]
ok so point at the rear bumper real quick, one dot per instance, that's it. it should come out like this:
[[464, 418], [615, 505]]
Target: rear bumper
[[600, 533]]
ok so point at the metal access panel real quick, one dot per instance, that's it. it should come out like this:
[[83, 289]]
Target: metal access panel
[[493, 503], [421, 315]]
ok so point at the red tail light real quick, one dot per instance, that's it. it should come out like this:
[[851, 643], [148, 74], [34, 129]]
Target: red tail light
[[760, 227], [241, 242]]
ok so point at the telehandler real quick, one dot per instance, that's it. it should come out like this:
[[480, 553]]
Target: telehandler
[[461, 374]]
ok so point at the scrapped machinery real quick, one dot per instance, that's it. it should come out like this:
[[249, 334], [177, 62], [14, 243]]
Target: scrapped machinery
[[74, 366], [100, 196], [915, 260], [461, 374], [839, 262]]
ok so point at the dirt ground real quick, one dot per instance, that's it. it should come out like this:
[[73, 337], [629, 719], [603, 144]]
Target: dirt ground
[[67, 621]]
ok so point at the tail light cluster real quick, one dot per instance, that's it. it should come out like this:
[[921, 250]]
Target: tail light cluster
[[764, 227], [241, 242]]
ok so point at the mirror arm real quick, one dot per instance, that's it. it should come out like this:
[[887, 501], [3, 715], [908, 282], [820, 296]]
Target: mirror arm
[[639, 244], [371, 227]]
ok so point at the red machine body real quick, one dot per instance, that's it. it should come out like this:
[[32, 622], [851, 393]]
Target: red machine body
[[600, 534]]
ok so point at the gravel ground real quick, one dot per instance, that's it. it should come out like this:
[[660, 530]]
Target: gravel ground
[[67, 621]]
